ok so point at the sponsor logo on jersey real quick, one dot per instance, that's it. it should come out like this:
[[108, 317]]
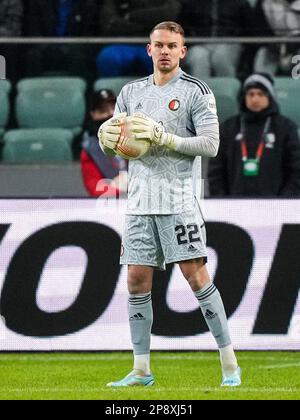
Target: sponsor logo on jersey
[[174, 105]]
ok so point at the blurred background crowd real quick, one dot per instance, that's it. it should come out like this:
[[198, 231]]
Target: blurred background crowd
[[90, 74]]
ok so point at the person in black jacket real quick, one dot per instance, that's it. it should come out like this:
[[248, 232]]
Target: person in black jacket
[[259, 152], [61, 18], [216, 18]]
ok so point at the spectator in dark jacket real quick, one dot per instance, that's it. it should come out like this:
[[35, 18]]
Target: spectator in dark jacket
[[61, 18], [131, 18], [96, 167], [11, 23], [11, 15], [259, 152], [215, 18]]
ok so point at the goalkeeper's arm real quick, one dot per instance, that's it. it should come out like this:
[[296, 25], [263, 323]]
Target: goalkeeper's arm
[[205, 144]]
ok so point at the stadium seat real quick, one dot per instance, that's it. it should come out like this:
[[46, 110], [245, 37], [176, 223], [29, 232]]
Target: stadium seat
[[54, 82], [5, 87], [226, 90], [51, 103], [37, 146], [288, 97], [113, 83]]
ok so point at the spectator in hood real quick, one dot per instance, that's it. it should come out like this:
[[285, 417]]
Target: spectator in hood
[[259, 152]]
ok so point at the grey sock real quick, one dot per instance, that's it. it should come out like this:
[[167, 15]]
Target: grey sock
[[140, 320], [212, 307]]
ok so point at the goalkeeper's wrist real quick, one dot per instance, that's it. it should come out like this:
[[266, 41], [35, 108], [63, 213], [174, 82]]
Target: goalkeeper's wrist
[[170, 141]]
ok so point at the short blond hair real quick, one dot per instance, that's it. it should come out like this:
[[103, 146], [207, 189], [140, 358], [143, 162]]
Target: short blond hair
[[170, 26]]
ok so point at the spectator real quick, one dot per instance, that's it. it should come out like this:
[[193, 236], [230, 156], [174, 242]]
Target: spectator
[[216, 18], [11, 21], [259, 154], [95, 166], [130, 18], [11, 14], [61, 18], [277, 18]]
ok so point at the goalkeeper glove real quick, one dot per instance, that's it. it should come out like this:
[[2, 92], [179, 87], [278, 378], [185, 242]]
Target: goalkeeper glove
[[144, 128], [112, 131]]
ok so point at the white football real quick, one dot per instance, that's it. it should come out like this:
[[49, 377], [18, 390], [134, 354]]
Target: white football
[[131, 149]]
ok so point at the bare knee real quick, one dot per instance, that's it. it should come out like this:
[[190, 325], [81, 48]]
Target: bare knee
[[196, 274], [139, 279]]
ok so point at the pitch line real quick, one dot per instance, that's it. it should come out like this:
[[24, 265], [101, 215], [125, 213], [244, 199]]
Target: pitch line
[[197, 357], [281, 366], [102, 390]]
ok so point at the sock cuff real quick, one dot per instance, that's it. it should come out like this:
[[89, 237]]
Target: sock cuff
[[206, 292], [140, 299]]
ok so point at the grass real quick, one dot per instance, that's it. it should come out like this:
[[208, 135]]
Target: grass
[[179, 376]]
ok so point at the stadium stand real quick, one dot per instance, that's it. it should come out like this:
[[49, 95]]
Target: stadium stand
[[37, 146], [288, 96], [51, 103], [5, 88], [112, 83], [226, 90]]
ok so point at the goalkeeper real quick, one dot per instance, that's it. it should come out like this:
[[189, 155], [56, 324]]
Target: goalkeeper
[[177, 114]]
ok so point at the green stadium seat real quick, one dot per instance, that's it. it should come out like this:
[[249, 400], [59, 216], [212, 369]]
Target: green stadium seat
[[288, 97], [226, 90], [55, 82], [51, 103], [37, 146], [112, 83], [5, 87]]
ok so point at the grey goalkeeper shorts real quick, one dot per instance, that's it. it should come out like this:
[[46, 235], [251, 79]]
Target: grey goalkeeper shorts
[[159, 240]]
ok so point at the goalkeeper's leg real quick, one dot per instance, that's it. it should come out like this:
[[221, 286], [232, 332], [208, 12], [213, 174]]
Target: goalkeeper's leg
[[141, 320], [212, 307]]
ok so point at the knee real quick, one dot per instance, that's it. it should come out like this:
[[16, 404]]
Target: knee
[[198, 282], [139, 280], [197, 276]]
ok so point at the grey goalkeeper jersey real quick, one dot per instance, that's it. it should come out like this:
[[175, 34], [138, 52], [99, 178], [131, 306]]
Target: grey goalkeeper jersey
[[164, 181]]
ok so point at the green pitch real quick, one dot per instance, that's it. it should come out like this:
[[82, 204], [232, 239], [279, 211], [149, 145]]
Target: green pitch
[[182, 376]]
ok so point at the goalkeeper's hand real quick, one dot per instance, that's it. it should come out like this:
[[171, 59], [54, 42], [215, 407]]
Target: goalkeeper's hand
[[112, 131], [144, 128]]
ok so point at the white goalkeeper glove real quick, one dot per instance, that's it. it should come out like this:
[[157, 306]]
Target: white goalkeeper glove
[[112, 131], [144, 128]]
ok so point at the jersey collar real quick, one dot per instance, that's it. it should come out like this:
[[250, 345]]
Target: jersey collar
[[173, 80]]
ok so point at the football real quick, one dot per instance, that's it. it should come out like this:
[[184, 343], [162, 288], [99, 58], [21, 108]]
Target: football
[[130, 149]]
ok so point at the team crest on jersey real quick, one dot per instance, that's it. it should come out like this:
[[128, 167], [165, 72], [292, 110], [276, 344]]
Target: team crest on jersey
[[174, 105]]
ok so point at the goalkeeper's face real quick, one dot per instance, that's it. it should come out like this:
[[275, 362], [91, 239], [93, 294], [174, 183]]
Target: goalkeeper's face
[[166, 50]]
